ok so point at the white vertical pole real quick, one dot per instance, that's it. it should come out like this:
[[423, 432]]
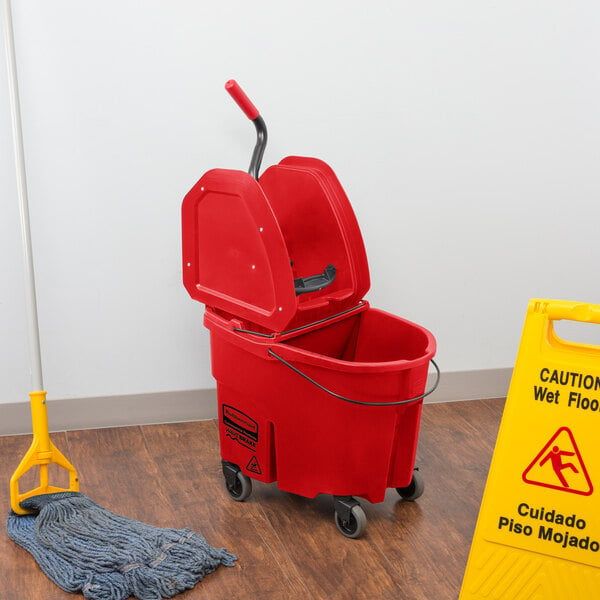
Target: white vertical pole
[[15, 111]]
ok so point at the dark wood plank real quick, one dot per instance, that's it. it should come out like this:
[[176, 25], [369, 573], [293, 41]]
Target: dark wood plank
[[288, 546], [193, 483], [331, 565], [117, 472]]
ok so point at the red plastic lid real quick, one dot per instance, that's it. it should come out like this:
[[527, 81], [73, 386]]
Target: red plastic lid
[[280, 253]]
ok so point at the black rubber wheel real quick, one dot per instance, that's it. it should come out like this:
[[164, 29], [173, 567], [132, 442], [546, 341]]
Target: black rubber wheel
[[414, 489], [355, 525], [241, 488]]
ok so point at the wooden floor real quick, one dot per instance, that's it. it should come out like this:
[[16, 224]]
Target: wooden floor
[[288, 546]]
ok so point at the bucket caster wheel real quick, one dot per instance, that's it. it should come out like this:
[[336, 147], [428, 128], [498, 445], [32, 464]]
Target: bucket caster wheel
[[350, 518], [414, 489], [238, 485]]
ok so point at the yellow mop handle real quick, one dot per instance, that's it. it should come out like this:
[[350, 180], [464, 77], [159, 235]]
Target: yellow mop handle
[[41, 453]]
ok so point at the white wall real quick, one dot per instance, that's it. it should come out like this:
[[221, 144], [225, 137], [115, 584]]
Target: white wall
[[467, 135]]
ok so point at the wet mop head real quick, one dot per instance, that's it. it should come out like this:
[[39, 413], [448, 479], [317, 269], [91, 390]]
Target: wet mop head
[[85, 548]]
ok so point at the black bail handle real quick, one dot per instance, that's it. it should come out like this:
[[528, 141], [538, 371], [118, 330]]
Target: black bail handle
[[360, 402]]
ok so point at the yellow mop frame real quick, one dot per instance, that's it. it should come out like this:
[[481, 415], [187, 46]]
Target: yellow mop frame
[[42, 451]]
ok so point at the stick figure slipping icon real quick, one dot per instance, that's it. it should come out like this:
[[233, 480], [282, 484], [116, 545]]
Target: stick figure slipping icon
[[555, 457]]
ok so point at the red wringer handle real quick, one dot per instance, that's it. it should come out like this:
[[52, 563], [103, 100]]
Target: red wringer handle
[[238, 94]]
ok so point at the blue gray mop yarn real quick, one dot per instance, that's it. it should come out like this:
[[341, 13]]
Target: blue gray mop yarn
[[84, 548]]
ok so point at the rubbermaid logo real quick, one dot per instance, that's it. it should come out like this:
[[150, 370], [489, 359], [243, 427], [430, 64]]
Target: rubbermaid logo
[[241, 422]]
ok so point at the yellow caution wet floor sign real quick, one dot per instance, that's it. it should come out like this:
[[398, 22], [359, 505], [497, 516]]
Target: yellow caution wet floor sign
[[538, 532]]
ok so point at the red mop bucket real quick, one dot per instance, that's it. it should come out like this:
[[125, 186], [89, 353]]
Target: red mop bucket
[[317, 390]]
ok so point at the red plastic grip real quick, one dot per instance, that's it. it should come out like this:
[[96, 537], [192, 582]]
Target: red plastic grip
[[238, 94]]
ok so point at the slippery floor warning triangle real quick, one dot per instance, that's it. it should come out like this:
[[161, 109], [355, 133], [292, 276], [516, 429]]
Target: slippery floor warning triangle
[[559, 466], [538, 532], [253, 466]]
